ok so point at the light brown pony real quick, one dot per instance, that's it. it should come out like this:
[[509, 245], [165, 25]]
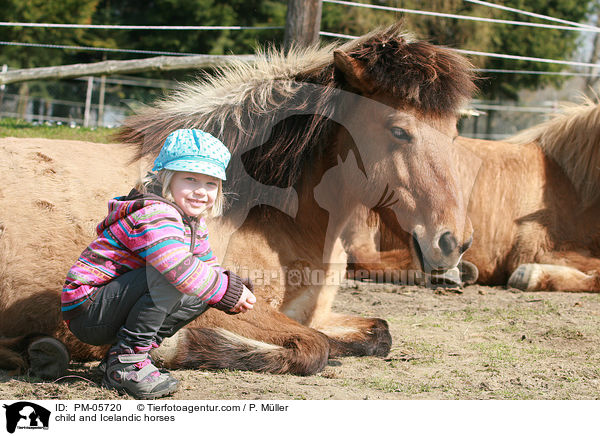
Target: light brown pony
[[294, 124], [535, 208]]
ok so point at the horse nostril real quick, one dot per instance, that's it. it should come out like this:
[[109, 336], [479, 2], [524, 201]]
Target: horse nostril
[[447, 243]]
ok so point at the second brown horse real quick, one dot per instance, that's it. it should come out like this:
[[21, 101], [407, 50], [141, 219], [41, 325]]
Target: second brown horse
[[534, 202]]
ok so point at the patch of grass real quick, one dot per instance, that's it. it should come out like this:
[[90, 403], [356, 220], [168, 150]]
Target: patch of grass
[[471, 314], [415, 387], [10, 127], [495, 354], [591, 298], [535, 306], [564, 332], [425, 352], [384, 384], [514, 394], [537, 351]]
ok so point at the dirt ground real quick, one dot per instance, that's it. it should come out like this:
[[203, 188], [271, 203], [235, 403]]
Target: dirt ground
[[483, 343]]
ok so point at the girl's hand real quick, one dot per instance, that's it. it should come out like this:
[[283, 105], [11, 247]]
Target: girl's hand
[[245, 303]]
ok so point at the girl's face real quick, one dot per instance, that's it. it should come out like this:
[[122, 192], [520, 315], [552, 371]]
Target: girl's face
[[194, 193]]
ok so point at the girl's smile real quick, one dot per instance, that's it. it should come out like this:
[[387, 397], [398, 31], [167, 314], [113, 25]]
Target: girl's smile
[[194, 193]]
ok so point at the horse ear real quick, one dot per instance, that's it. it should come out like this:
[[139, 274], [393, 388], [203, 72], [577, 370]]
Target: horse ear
[[353, 71]]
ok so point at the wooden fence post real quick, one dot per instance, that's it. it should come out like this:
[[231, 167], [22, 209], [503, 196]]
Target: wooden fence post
[[302, 23], [88, 102], [100, 120], [3, 87]]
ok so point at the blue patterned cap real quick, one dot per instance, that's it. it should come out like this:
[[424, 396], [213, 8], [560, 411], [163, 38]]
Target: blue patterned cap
[[195, 151]]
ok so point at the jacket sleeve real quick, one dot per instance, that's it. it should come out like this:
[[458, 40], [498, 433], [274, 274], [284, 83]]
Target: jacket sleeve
[[156, 234]]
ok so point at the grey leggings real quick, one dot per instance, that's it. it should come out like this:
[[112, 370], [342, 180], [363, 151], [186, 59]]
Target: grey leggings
[[135, 310]]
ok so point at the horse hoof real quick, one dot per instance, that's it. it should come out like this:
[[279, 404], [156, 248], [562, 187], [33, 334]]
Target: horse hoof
[[384, 341], [468, 272], [525, 277], [48, 358]]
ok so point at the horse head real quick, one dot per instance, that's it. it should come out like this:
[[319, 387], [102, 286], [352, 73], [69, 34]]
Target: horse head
[[403, 124]]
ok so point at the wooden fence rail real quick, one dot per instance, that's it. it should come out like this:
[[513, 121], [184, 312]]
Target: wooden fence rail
[[159, 63]]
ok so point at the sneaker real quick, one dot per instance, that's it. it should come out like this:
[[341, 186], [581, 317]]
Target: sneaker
[[101, 368], [135, 375]]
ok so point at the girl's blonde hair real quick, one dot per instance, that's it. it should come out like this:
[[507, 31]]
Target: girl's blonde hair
[[163, 178]]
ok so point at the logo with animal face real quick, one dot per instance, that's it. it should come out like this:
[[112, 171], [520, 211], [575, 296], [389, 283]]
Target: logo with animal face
[[26, 415]]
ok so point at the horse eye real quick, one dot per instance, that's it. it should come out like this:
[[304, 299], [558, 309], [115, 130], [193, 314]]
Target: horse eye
[[401, 134]]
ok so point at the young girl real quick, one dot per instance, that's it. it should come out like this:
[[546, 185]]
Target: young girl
[[151, 270]]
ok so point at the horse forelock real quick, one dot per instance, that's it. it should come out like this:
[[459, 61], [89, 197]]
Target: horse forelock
[[572, 139], [242, 102], [432, 79]]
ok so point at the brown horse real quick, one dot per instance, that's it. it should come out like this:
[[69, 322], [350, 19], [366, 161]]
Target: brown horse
[[534, 207], [301, 128]]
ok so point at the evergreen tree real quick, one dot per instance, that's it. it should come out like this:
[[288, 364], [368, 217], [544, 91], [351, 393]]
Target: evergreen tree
[[42, 11], [532, 42], [479, 36], [445, 31], [249, 13]]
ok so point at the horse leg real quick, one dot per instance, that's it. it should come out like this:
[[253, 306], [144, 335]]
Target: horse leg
[[558, 271], [393, 266], [348, 335], [366, 259], [262, 340], [12, 355], [41, 355], [46, 354], [355, 336]]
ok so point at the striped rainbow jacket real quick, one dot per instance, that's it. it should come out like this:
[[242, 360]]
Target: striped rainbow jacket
[[146, 229]]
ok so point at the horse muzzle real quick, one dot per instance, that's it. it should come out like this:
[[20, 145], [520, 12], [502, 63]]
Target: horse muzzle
[[442, 254]]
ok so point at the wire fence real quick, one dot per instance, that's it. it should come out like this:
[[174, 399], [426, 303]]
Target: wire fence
[[126, 27], [466, 17], [46, 111], [509, 116], [531, 14], [119, 98], [102, 49], [91, 109], [493, 55]]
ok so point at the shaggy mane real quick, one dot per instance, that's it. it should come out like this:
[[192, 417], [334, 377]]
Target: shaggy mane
[[263, 105], [572, 139]]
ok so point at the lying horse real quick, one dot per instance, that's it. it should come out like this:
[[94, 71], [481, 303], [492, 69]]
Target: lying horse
[[534, 207], [384, 107]]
